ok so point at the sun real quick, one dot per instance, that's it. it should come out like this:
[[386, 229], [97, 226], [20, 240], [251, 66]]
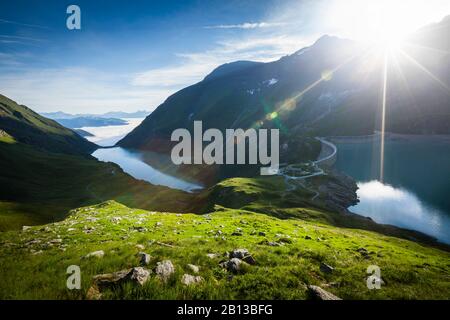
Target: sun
[[383, 23]]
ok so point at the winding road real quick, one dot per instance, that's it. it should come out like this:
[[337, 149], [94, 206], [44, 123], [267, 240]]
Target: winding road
[[293, 182]]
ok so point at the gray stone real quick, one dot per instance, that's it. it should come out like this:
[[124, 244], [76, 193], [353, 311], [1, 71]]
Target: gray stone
[[325, 268], [145, 258], [321, 294], [233, 265], [96, 254], [188, 279], [164, 270], [242, 254], [193, 268]]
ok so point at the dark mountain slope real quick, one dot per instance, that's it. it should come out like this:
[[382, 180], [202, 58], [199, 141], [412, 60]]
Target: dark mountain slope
[[26, 126], [333, 87]]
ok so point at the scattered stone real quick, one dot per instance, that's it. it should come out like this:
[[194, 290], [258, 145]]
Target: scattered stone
[[164, 270], [321, 294], [32, 242], [212, 255], [325, 268], [25, 228], [145, 258], [93, 293], [140, 246], [139, 229], [54, 241], [273, 244], [96, 254], [136, 275], [238, 232], [193, 268], [116, 219], [233, 265], [139, 275], [188, 279], [158, 224], [242, 254]]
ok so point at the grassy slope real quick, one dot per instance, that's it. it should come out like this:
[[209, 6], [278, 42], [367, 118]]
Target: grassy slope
[[268, 195], [410, 271], [38, 187], [26, 126]]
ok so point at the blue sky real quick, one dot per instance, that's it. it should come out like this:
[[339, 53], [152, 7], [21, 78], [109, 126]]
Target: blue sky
[[130, 55]]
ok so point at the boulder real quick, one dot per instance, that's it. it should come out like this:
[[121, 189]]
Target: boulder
[[96, 254], [144, 258], [164, 270], [193, 268], [321, 294], [233, 265], [325, 268], [136, 275], [243, 255], [188, 279]]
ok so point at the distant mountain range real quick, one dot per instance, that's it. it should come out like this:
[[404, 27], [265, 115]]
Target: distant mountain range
[[80, 122], [334, 87], [113, 114]]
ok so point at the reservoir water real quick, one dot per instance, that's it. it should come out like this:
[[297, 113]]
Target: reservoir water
[[415, 192]]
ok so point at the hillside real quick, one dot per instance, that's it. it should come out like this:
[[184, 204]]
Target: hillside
[[330, 88], [28, 127], [46, 170], [182, 258]]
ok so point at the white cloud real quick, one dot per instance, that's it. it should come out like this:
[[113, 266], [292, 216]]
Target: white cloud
[[247, 25], [78, 90], [194, 66]]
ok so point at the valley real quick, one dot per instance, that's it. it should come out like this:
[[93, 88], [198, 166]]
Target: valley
[[107, 196]]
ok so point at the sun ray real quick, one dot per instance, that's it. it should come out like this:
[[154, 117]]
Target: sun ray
[[383, 117], [425, 70]]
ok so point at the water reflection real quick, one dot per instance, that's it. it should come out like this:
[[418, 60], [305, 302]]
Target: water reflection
[[132, 163], [396, 206]]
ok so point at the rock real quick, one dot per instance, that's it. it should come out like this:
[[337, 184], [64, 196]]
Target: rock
[[262, 234], [55, 241], [325, 268], [321, 294], [158, 224], [307, 237], [136, 275], [96, 254], [116, 219], [212, 255], [145, 258], [164, 270], [25, 228], [188, 279], [140, 246], [233, 265], [242, 254], [93, 293], [193, 268], [140, 229]]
